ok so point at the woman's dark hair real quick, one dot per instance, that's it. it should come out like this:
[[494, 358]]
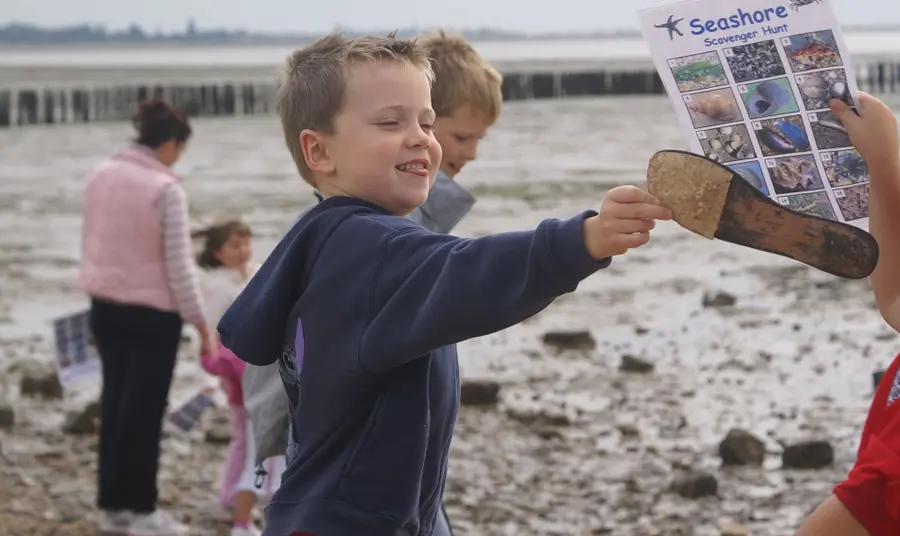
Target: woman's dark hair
[[158, 122], [217, 236]]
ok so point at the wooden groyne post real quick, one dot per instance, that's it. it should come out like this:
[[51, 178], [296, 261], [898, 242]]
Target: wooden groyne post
[[23, 106]]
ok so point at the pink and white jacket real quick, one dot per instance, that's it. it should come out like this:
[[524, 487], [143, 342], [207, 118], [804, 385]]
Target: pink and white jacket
[[136, 246]]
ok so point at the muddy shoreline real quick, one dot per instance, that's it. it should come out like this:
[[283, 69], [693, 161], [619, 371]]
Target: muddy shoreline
[[690, 339]]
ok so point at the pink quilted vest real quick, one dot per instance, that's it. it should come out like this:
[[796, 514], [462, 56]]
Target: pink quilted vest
[[122, 256]]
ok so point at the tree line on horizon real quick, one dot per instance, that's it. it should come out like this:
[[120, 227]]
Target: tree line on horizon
[[30, 34], [18, 33]]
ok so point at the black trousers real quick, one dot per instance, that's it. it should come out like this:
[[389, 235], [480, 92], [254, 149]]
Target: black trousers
[[137, 347]]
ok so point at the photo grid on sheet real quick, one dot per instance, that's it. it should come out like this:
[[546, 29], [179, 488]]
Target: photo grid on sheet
[[76, 352], [762, 110]]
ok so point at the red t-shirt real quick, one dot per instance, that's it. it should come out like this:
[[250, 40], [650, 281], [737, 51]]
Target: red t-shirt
[[872, 489]]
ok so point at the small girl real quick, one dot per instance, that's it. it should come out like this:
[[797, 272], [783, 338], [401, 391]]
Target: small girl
[[225, 260]]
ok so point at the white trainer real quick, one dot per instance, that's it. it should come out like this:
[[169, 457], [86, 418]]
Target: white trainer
[[115, 522], [158, 523]]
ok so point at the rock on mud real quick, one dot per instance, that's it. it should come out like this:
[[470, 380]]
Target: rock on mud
[[695, 485], [570, 340], [7, 415], [634, 364], [218, 431], [539, 417], [479, 393], [808, 455], [84, 421], [39, 380], [718, 299], [740, 447]]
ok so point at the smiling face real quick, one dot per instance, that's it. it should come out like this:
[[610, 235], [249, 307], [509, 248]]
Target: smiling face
[[459, 135], [382, 148]]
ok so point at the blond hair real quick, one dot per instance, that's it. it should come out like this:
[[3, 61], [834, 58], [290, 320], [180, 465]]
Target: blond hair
[[462, 77], [314, 79]]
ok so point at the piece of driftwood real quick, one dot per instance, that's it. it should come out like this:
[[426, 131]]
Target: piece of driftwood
[[711, 200]]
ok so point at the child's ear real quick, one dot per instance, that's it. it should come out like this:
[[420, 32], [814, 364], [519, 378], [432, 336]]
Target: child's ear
[[315, 152]]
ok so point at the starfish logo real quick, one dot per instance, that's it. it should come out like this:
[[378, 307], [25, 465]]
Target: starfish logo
[[672, 26]]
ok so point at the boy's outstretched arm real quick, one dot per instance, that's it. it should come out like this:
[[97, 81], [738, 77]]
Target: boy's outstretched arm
[[874, 134], [432, 290]]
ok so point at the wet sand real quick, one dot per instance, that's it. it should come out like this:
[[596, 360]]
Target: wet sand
[[574, 445]]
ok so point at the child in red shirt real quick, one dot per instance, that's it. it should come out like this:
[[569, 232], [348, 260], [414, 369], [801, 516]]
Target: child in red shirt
[[867, 503]]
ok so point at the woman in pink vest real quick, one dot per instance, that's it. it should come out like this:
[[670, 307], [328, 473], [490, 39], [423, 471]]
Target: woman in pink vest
[[138, 270]]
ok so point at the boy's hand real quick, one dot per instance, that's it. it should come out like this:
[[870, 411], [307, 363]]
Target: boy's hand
[[624, 221], [873, 132]]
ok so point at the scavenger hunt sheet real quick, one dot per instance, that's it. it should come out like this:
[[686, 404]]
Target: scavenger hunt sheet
[[750, 81]]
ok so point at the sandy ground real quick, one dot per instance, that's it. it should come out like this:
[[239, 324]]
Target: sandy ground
[[573, 444]]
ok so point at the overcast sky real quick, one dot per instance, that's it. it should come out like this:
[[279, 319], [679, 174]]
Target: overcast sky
[[322, 15]]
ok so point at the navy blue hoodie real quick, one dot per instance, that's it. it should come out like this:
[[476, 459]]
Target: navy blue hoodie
[[363, 311]]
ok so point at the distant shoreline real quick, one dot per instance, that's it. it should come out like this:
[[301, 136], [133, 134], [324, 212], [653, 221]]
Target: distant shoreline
[[24, 35]]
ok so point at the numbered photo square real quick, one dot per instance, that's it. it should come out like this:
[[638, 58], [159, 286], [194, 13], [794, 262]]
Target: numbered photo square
[[853, 201], [811, 51], [816, 89], [752, 173], [768, 98], [714, 107], [828, 131], [754, 61], [794, 174], [813, 203], [844, 168], [727, 144], [782, 136], [698, 71]]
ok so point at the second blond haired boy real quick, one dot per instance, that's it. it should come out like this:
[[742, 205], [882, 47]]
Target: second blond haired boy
[[466, 96], [364, 307]]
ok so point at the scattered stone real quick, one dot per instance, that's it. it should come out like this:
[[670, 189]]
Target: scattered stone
[[808, 455], [641, 330], [570, 340], [696, 485], [7, 415], [733, 529], [479, 393], [629, 430], [539, 418], [83, 422], [39, 379], [634, 364], [740, 447], [218, 431], [549, 433], [718, 299]]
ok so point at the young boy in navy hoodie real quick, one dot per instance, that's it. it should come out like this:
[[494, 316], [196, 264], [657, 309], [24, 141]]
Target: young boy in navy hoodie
[[363, 308]]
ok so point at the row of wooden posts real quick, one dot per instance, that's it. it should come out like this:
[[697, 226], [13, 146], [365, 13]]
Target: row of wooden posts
[[21, 107]]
